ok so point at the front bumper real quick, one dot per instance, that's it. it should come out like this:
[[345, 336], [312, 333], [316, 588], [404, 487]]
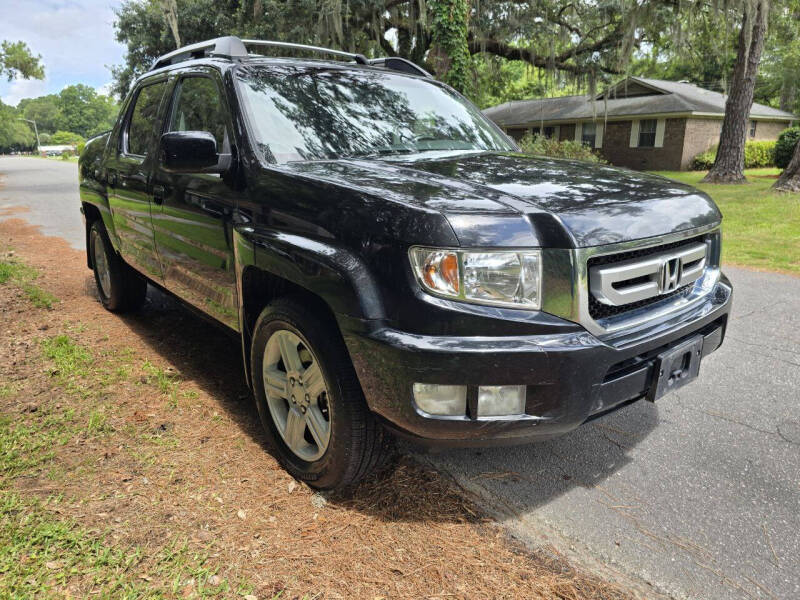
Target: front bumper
[[570, 377]]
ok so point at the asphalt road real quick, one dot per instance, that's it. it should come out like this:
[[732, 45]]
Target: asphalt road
[[698, 496], [48, 189]]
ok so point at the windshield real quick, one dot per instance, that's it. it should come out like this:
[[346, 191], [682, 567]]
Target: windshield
[[301, 112]]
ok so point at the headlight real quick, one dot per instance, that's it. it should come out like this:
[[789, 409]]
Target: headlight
[[497, 278]]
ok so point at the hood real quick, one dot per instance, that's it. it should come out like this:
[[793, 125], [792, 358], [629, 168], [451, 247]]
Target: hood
[[595, 204]]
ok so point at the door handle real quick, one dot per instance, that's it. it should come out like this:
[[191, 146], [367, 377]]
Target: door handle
[[159, 191]]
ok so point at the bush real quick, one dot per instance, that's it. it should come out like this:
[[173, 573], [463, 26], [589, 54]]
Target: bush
[[705, 160], [541, 146], [756, 156], [784, 147], [759, 154], [79, 149]]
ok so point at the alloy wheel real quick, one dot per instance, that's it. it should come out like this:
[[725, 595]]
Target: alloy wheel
[[297, 395]]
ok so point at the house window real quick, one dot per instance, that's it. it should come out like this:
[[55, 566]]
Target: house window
[[589, 134], [548, 131], [752, 129], [647, 133]]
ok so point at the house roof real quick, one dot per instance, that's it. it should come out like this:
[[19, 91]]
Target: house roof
[[633, 96]]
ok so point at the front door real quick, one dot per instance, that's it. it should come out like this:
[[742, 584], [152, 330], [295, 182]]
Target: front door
[[192, 212], [128, 177]]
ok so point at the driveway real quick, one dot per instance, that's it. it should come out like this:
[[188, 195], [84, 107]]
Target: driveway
[[697, 495]]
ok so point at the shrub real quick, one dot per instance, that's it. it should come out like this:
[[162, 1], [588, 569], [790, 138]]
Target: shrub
[[756, 156], [705, 160], [784, 147], [79, 149], [759, 154], [541, 146]]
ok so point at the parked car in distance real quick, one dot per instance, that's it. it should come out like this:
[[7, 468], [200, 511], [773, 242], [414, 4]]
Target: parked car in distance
[[390, 261]]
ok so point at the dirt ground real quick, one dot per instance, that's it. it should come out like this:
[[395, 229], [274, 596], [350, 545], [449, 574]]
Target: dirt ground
[[149, 441]]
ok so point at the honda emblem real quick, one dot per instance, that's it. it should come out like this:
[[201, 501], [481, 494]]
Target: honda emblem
[[670, 274]]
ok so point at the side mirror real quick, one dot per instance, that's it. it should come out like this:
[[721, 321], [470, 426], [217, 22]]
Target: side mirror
[[190, 152]]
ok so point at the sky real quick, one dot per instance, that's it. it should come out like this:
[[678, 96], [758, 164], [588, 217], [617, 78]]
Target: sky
[[74, 37]]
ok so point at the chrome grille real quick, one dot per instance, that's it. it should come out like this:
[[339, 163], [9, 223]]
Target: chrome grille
[[633, 279]]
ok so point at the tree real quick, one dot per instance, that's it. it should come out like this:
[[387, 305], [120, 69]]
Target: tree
[[64, 138], [84, 111], [142, 28], [14, 134], [780, 63], [789, 181], [698, 48], [449, 32], [170, 8], [572, 38], [44, 110], [729, 164], [16, 59]]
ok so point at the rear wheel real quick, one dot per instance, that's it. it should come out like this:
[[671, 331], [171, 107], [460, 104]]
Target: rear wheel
[[120, 287], [309, 399]]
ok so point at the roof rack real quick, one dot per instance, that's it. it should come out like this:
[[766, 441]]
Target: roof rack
[[226, 47], [359, 58], [234, 48], [395, 63]]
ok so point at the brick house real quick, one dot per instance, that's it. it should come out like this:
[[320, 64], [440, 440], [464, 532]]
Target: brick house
[[638, 123]]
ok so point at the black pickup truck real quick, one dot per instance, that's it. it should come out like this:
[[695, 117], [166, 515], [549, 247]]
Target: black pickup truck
[[391, 262]]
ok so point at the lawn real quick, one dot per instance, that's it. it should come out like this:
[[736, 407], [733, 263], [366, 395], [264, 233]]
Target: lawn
[[761, 228]]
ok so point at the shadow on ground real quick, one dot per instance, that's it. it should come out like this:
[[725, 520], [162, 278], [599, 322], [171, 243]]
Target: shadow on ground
[[211, 357]]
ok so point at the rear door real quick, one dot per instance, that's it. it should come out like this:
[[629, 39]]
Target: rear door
[[192, 215], [128, 171]]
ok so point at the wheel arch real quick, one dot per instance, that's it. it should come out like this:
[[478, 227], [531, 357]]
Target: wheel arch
[[332, 281]]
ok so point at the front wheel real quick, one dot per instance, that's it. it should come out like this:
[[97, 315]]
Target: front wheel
[[309, 399]]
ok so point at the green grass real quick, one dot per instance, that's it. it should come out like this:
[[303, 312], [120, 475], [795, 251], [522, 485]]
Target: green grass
[[25, 447], [69, 359], [21, 275], [761, 228], [42, 556], [45, 554]]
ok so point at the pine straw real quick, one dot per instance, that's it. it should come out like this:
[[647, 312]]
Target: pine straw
[[186, 460]]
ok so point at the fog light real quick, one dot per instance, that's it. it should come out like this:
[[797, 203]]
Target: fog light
[[438, 399], [501, 400]]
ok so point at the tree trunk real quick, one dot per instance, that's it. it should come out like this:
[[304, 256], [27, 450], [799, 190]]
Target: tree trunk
[[729, 164], [449, 31], [789, 181], [170, 8]]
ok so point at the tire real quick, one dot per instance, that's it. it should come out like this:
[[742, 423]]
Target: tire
[[356, 444], [120, 288]]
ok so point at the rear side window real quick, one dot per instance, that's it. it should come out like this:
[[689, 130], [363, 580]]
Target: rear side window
[[198, 107], [145, 111]]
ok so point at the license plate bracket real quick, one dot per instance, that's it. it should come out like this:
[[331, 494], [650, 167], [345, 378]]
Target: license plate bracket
[[676, 367]]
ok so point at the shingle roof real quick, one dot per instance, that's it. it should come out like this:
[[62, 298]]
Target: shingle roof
[[668, 97]]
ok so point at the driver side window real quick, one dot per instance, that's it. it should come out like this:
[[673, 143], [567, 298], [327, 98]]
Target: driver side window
[[198, 107]]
